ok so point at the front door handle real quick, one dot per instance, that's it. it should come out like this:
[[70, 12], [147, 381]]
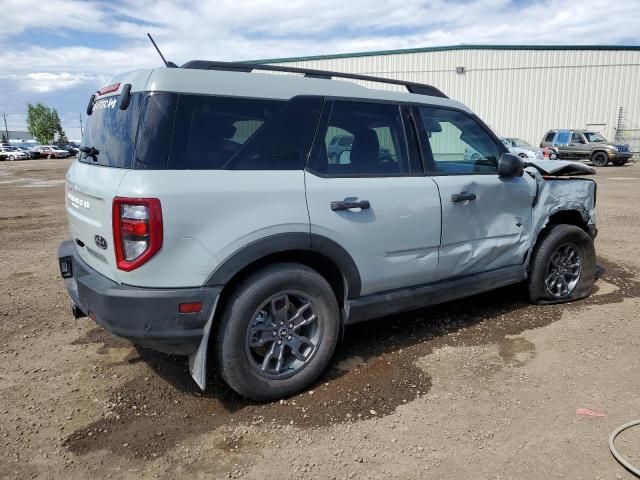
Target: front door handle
[[341, 205], [462, 197]]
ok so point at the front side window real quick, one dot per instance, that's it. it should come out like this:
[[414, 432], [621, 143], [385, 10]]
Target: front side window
[[576, 138], [372, 141], [593, 137], [459, 145]]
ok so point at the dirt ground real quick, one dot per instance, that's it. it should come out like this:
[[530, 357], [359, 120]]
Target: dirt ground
[[482, 388]]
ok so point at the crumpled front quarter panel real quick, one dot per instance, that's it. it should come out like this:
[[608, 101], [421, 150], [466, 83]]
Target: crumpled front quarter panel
[[562, 194]]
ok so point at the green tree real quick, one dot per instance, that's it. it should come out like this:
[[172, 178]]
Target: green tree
[[42, 122]]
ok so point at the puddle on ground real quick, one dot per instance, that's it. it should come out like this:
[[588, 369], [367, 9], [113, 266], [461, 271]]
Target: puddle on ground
[[373, 372]]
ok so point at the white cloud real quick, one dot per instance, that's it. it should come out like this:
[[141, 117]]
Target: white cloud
[[43, 82]]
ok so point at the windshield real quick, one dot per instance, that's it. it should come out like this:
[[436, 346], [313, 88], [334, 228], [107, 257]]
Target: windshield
[[593, 137], [112, 132], [521, 143]]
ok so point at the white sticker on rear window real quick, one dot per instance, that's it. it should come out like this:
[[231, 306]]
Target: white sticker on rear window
[[105, 103]]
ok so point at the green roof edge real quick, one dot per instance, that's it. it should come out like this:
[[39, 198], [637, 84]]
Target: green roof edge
[[445, 49]]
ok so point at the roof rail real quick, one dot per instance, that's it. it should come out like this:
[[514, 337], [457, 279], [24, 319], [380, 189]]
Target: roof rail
[[419, 88]]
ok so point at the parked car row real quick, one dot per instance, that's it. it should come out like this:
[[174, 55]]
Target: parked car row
[[19, 152]]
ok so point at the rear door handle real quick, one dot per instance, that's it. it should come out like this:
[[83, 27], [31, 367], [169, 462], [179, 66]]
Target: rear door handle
[[462, 197], [341, 205]]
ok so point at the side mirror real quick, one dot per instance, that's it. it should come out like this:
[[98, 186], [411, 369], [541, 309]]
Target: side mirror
[[510, 165]]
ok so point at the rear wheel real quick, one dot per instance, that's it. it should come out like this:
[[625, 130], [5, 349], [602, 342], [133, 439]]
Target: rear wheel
[[12, 158], [277, 332], [562, 266], [600, 159]]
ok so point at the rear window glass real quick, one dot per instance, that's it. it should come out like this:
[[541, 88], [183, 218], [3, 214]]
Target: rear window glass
[[112, 132], [241, 133], [202, 132]]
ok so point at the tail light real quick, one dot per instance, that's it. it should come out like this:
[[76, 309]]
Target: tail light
[[137, 231]]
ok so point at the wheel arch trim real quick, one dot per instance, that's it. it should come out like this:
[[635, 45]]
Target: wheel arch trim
[[281, 243]]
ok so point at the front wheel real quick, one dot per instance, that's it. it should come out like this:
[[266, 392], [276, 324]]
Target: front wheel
[[563, 266], [600, 159], [277, 332]]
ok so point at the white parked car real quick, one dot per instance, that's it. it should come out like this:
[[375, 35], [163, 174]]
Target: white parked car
[[12, 153], [519, 147]]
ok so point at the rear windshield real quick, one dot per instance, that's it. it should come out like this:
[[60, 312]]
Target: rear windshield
[[203, 132], [112, 132]]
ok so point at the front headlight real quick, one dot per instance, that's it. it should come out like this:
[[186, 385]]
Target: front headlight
[[614, 148]]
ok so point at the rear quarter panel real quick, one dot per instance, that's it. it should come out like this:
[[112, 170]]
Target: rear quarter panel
[[210, 214]]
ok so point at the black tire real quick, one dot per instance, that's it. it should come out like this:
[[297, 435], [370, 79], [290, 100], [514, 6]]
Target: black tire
[[556, 238], [233, 360], [600, 159]]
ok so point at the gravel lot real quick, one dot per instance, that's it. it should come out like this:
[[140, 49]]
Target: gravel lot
[[482, 388]]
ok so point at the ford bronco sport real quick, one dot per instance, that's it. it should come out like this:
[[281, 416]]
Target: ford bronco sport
[[207, 218], [583, 144]]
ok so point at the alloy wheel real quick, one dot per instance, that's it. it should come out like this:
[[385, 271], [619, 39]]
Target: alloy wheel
[[283, 335], [563, 271]]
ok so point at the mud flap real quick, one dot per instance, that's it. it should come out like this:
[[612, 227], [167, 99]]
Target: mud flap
[[198, 360]]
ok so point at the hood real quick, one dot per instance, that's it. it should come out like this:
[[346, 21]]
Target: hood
[[559, 167]]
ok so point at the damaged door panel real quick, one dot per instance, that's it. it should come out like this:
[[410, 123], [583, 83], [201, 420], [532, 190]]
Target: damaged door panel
[[490, 231]]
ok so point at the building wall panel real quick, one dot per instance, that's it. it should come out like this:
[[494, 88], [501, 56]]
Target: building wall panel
[[521, 93]]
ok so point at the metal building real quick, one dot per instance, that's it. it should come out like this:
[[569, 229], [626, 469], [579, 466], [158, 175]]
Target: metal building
[[520, 91]]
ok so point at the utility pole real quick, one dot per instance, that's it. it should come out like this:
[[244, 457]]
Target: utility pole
[[6, 130], [81, 132]]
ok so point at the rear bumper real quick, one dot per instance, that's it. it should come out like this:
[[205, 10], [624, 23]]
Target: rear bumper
[[146, 316]]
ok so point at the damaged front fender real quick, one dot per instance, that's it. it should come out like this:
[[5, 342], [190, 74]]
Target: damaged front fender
[[555, 195]]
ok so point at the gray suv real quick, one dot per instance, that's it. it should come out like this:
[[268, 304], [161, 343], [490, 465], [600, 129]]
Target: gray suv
[[207, 218], [584, 144]]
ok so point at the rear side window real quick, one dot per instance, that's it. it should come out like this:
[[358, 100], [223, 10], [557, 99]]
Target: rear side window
[[375, 141], [562, 138], [212, 133], [112, 132]]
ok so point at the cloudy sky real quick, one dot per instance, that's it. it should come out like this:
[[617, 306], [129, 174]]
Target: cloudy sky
[[60, 51]]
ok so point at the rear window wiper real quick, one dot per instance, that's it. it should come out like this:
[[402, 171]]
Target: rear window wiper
[[90, 152]]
